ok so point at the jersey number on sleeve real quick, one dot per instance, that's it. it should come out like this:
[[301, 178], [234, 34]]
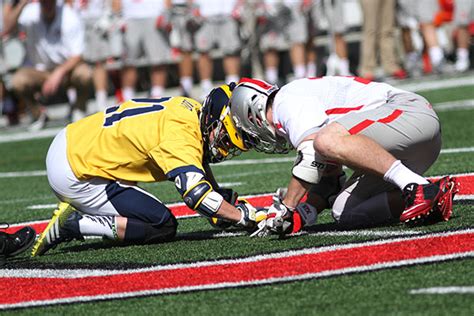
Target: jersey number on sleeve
[[148, 106]]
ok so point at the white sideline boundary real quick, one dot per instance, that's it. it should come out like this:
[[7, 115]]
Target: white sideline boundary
[[427, 84], [445, 290], [36, 173]]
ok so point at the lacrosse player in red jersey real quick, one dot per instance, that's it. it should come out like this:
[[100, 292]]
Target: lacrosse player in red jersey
[[388, 136], [93, 167]]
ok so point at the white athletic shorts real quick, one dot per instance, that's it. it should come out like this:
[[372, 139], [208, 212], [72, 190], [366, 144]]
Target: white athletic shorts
[[145, 43], [218, 32], [91, 196], [423, 11], [463, 12]]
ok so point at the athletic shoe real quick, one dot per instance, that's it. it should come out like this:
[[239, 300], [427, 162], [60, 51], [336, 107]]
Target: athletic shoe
[[423, 200], [448, 187], [63, 227], [14, 244]]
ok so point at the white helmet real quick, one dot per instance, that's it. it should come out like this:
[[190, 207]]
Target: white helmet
[[248, 105]]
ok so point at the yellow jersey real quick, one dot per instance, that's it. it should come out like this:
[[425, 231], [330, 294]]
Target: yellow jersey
[[140, 140]]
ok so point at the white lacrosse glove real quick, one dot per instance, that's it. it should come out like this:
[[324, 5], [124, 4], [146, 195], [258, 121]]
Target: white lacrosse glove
[[250, 216], [282, 220]]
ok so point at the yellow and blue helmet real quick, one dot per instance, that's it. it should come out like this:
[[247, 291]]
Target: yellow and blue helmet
[[221, 138]]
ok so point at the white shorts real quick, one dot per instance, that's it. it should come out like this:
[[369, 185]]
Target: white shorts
[[218, 32], [98, 196], [463, 12], [423, 11], [144, 42]]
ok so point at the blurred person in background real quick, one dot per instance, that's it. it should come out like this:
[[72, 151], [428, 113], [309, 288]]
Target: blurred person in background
[[219, 28], [54, 45], [463, 16], [184, 19], [332, 11], [420, 13], [283, 23], [378, 39], [146, 43], [100, 18]]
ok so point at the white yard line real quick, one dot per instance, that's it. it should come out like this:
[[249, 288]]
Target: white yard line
[[35, 173], [454, 105], [436, 84], [426, 84], [445, 290]]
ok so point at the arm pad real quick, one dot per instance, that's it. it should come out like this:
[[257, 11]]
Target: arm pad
[[309, 165], [198, 193]]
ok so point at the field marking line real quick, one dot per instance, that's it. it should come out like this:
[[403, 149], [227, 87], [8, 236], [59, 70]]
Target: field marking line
[[444, 290], [309, 263], [35, 173], [436, 84], [424, 85], [262, 257]]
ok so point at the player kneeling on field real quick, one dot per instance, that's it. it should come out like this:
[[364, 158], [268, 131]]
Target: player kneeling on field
[[388, 136], [93, 167]]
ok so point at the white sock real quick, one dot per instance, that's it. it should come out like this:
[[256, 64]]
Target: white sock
[[157, 91], [186, 83], [400, 175], [128, 93], [344, 67], [311, 70], [271, 74], [436, 55], [71, 95], [462, 54], [232, 78], [206, 85], [299, 71], [98, 226], [101, 100]]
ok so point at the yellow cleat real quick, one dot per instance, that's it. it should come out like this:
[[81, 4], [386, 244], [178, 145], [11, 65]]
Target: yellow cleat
[[51, 235]]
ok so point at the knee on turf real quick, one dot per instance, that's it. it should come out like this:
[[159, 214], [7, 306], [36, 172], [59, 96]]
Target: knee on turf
[[163, 232]]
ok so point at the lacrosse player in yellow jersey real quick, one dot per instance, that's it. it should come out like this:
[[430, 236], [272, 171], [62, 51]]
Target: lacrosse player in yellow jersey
[[93, 167]]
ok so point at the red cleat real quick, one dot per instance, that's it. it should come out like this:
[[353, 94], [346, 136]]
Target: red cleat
[[448, 187], [435, 199]]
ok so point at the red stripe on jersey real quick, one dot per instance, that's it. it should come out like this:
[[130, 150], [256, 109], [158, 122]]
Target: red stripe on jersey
[[366, 123], [342, 110], [362, 80], [257, 82]]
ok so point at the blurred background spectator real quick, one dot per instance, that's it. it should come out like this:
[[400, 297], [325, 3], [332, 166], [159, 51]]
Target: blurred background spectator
[[378, 39], [333, 14], [420, 14], [184, 17], [100, 19], [219, 28], [54, 45], [463, 16], [145, 43], [282, 26], [153, 47]]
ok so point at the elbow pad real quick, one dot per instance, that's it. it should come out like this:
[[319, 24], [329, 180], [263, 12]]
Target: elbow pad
[[309, 165], [198, 193]]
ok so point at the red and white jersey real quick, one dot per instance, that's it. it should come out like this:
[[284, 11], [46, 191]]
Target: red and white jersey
[[142, 9], [304, 106], [48, 46], [209, 8], [90, 9]]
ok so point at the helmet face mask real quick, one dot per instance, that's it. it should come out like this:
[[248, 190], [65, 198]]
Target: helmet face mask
[[221, 138], [249, 105]]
